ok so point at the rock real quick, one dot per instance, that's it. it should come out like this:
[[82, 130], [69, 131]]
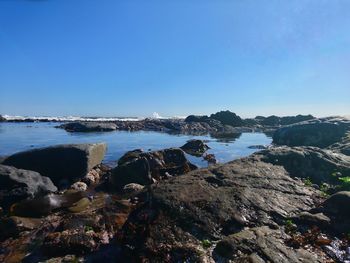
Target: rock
[[210, 158], [320, 166], [195, 147], [319, 132], [89, 126], [287, 120], [2, 119], [258, 147], [17, 184], [228, 118], [262, 244], [132, 188], [79, 186], [60, 163], [339, 204], [13, 225], [343, 146], [143, 167], [318, 219], [194, 118]]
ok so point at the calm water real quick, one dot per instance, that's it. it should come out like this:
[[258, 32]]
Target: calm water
[[16, 137]]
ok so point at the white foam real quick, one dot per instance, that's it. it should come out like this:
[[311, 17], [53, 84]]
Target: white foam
[[69, 118]]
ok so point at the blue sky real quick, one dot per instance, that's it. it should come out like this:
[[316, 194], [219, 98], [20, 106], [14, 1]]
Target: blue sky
[[133, 58]]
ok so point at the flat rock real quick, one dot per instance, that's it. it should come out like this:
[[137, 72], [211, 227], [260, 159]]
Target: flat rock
[[89, 126], [60, 163], [17, 184]]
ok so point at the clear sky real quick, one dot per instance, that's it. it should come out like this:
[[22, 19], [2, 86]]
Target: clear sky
[[133, 58]]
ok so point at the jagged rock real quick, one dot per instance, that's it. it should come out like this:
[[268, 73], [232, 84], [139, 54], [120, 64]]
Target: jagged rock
[[60, 163], [308, 162], [143, 167], [262, 244], [195, 147], [89, 126], [228, 118], [17, 184], [318, 132]]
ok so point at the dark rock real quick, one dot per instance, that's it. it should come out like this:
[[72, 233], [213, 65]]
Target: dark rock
[[318, 219], [62, 162], [308, 162], [195, 147], [287, 120], [339, 203], [89, 126], [2, 118], [13, 225], [258, 147], [262, 244], [343, 146], [143, 167], [17, 184], [210, 158], [194, 118], [228, 118], [319, 132]]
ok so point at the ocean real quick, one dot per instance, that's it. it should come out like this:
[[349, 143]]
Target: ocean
[[15, 137]]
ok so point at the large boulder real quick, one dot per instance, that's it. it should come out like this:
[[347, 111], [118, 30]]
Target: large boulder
[[319, 132], [228, 118], [145, 167], [17, 184], [195, 147], [308, 162], [191, 211], [60, 163], [89, 126]]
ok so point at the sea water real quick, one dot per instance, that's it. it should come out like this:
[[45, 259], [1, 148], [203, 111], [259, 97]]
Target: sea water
[[15, 137]]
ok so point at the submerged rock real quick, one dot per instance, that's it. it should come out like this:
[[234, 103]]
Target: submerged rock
[[145, 167], [89, 126], [60, 163], [195, 147], [17, 184]]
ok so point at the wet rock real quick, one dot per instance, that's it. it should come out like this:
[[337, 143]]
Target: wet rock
[[210, 158], [145, 167], [2, 119], [89, 126], [262, 244], [258, 147], [228, 118], [195, 147], [319, 132], [79, 186], [12, 226], [309, 162], [43, 206], [60, 163], [17, 184], [79, 206], [132, 188]]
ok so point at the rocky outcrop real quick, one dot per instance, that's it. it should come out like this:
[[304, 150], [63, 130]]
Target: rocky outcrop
[[308, 162], [2, 118], [145, 167], [195, 147], [17, 184], [89, 126], [343, 146], [319, 132], [281, 121], [190, 212], [228, 118], [62, 163]]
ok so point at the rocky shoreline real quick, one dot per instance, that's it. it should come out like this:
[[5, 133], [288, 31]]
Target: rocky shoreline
[[286, 203]]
